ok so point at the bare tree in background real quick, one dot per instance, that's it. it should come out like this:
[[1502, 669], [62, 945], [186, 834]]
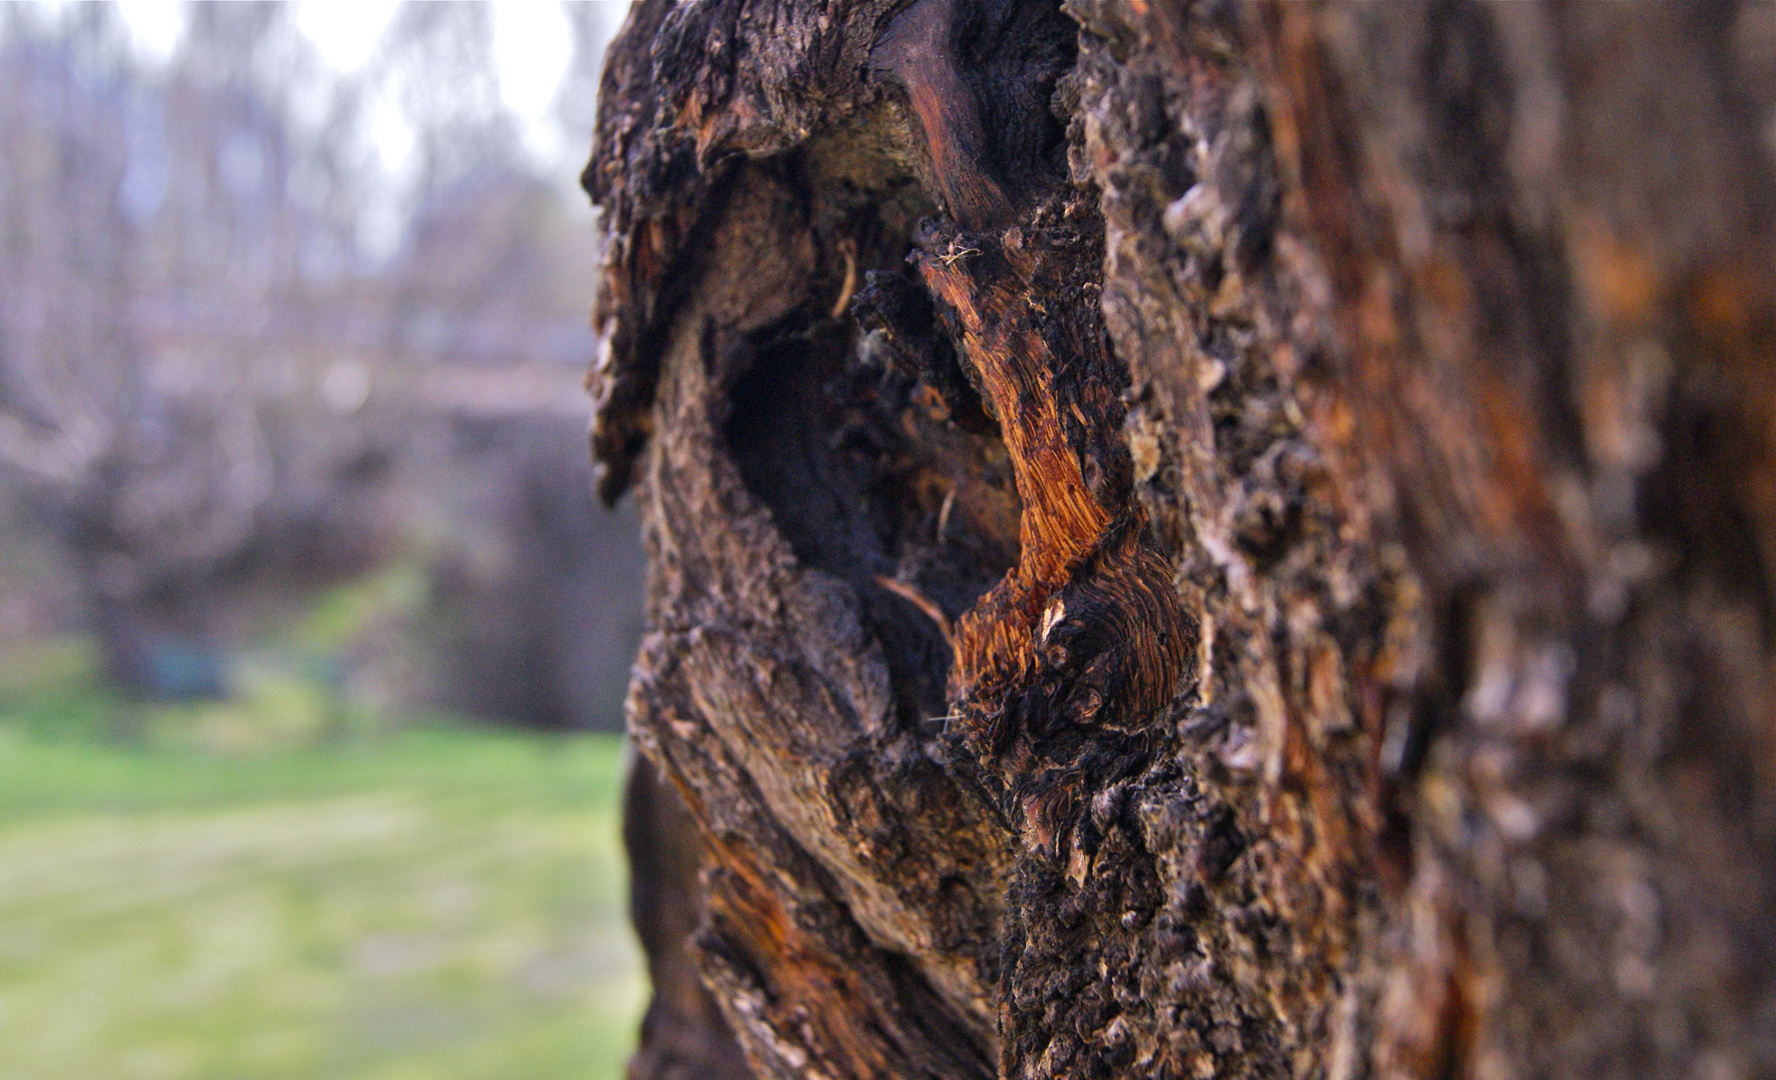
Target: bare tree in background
[[240, 359], [1199, 539], [156, 472]]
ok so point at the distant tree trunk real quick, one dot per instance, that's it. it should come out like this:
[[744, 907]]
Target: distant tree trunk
[[1219, 539]]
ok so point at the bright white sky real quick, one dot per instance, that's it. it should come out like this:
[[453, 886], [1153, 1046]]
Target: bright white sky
[[345, 34], [155, 26], [532, 46]]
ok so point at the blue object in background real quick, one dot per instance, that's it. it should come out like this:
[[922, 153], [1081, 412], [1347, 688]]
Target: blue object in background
[[180, 670]]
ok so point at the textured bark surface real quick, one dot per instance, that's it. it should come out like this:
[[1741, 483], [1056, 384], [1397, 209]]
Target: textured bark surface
[[1199, 539]]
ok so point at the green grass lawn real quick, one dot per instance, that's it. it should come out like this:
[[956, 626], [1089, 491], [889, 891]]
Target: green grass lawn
[[182, 901]]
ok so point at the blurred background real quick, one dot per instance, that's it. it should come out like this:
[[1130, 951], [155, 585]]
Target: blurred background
[[313, 641]]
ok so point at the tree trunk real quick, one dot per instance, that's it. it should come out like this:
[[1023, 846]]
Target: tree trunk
[[1219, 539]]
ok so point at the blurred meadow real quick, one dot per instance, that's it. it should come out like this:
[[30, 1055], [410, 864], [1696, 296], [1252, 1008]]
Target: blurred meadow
[[253, 888], [312, 638]]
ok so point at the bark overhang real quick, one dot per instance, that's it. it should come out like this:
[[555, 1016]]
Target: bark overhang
[[1061, 833]]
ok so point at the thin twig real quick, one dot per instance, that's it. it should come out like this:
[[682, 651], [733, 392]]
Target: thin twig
[[847, 248], [951, 256], [943, 515], [920, 601]]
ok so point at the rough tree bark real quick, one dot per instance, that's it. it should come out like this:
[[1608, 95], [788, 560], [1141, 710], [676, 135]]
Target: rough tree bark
[[1199, 539]]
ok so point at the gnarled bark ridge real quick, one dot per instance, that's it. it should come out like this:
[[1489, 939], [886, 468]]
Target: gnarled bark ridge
[[1198, 539]]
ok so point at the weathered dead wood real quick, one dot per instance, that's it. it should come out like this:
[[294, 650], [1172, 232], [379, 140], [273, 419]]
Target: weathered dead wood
[[683, 1035], [1206, 539]]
